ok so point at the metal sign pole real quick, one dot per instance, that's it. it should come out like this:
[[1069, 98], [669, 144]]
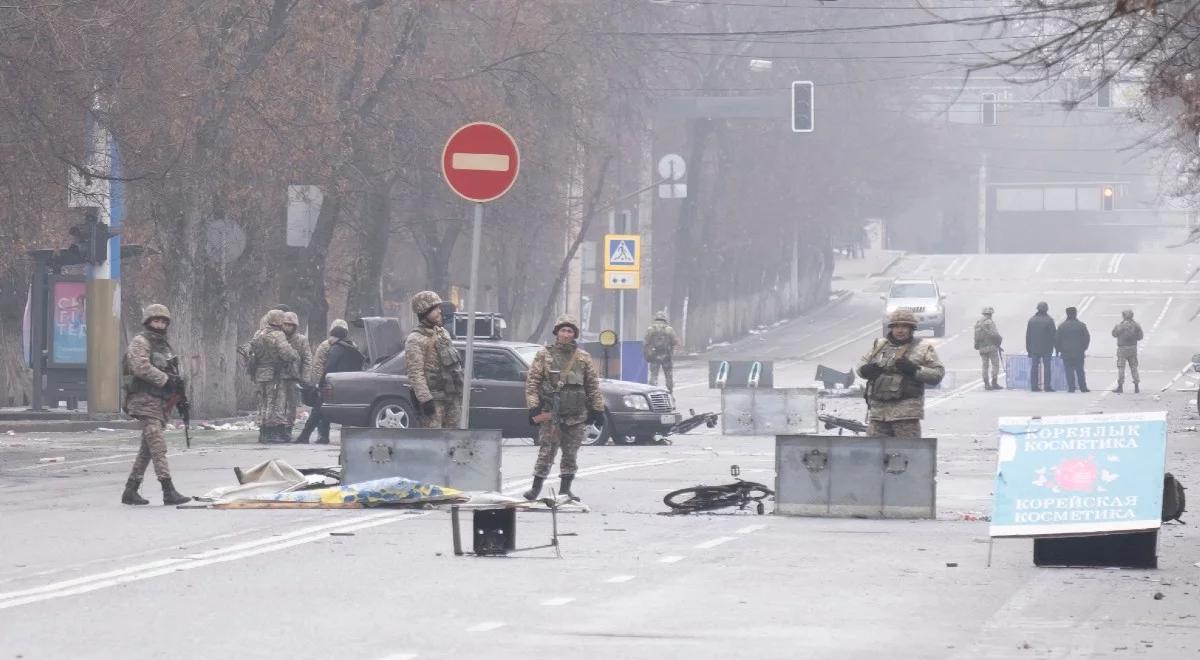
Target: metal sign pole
[[465, 418]]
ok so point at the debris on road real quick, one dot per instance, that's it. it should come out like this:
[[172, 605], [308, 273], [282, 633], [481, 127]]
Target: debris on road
[[52, 459], [1158, 595], [707, 419]]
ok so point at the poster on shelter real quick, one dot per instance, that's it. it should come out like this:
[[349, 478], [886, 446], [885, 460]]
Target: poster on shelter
[[68, 323], [1079, 475]]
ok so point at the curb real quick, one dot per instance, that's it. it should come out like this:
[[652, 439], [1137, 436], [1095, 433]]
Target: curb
[[68, 425], [896, 259]]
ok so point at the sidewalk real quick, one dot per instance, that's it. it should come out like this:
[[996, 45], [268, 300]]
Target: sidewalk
[[849, 273]]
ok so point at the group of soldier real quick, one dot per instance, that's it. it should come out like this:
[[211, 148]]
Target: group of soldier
[[1070, 340]]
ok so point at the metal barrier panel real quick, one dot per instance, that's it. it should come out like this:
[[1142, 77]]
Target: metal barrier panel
[[466, 460], [1017, 368], [841, 476], [754, 411], [728, 374]]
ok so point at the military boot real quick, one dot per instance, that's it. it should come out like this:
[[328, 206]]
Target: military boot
[[1137, 389], [535, 489], [564, 487], [995, 384], [285, 434], [171, 497], [131, 496], [1119, 389]]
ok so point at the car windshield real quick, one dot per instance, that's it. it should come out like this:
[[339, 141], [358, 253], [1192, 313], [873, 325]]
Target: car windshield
[[527, 353], [913, 290]]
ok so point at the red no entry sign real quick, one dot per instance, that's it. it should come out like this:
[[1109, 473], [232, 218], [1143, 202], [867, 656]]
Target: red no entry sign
[[480, 162]]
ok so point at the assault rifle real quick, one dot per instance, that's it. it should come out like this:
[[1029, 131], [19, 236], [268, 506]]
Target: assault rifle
[[842, 423], [179, 401]]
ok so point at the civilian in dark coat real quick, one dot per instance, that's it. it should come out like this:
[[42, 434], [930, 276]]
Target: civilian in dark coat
[[1072, 341], [1039, 344]]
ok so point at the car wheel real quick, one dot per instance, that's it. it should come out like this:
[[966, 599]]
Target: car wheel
[[393, 413], [597, 435]]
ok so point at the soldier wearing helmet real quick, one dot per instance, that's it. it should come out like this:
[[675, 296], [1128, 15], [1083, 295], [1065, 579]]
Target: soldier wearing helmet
[[273, 360], [658, 346], [435, 369], [1128, 333], [987, 342], [562, 391], [296, 374], [897, 370], [151, 378]]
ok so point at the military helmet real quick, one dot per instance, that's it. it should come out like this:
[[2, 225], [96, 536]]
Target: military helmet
[[155, 311], [275, 318], [290, 318], [902, 317], [338, 323], [988, 311], [662, 316], [425, 301], [566, 320]]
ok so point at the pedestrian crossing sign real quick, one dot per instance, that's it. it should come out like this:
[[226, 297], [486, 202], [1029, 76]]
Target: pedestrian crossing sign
[[622, 252]]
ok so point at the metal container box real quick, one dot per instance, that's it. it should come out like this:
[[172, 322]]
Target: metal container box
[[838, 477], [754, 411], [466, 460]]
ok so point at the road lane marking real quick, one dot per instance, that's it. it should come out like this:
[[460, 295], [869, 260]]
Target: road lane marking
[[618, 579], [946, 273], [556, 602], [1186, 368], [973, 385], [749, 529], [485, 626], [671, 559], [399, 656], [959, 271], [1041, 262], [868, 329], [712, 543]]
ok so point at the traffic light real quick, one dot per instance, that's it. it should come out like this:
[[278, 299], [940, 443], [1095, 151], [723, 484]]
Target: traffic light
[[802, 107], [90, 239], [1109, 195]]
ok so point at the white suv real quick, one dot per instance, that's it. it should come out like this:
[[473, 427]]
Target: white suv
[[921, 297]]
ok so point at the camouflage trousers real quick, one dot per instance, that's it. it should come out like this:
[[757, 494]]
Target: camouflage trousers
[[154, 449], [273, 402], [291, 401], [551, 436], [1127, 355], [446, 415], [990, 359], [900, 428], [668, 372]]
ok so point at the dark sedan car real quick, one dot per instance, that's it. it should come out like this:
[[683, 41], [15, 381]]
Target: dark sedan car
[[380, 397]]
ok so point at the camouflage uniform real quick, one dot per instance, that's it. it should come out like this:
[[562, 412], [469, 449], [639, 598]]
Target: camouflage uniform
[[435, 370], [987, 342], [896, 400], [297, 376], [657, 347], [275, 360], [577, 392], [1128, 333], [316, 372], [150, 364]]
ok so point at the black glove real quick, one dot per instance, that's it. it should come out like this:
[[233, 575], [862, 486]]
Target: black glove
[[534, 412], [176, 384], [870, 371], [907, 366], [596, 418], [428, 409]]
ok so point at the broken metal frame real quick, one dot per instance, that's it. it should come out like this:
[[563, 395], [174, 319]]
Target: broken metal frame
[[456, 531]]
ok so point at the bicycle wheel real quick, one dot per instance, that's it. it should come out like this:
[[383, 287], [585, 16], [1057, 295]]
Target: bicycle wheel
[[756, 491], [697, 498]]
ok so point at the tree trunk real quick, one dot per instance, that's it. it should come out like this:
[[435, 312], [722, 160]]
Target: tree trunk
[[364, 297], [689, 215], [15, 376], [304, 273]]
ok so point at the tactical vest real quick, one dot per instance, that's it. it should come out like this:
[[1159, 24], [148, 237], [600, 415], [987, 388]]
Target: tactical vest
[[564, 384], [162, 357], [660, 341], [892, 384], [447, 377]]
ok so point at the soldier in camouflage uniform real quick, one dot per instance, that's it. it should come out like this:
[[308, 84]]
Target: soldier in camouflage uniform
[[338, 331], [151, 378], [295, 377], [274, 360], [562, 391], [435, 369], [897, 370], [987, 342], [657, 347], [1128, 333]]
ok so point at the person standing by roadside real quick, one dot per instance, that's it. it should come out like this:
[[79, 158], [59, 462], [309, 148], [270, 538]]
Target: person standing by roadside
[[273, 358], [294, 376], [987, 342], [1039, 344], [1072, 341], [435, 369], [336, 354], [658, 347], [151, 377], [897, 370], [1128, 333]]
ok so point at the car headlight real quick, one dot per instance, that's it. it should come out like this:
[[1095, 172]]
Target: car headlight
[[636, 401]]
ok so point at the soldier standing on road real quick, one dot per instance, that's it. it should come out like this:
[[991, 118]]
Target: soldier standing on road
[[435, 369], [1072, 341], [562, 391], [657, 347], [295, 376], [1128, 333], [987, 342], [151, 378], [897, 370], [274, 359], [1039, 344]]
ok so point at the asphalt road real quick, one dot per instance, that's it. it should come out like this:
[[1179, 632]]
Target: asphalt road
[[82, 576]]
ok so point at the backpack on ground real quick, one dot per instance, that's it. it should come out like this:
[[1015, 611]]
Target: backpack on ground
[[1174, 503]]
